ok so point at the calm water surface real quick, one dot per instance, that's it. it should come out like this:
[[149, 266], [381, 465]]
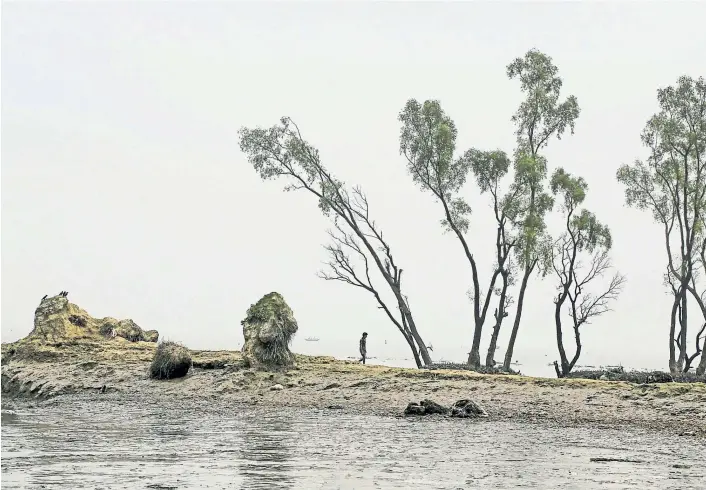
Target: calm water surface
[[108, 442]]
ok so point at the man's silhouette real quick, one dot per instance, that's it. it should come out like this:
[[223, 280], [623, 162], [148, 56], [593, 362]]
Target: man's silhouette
[[363, 347]]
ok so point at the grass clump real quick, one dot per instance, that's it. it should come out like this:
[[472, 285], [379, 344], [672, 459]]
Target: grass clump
[[171, 360]]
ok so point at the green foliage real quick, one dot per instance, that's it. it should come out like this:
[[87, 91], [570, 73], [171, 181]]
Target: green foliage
[[572, 189], [586, 231], [428, 142], [281, 151], [488, 167], [674, 173], [541, 115]]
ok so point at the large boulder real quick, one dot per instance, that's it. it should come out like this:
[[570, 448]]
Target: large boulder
[[171, 360], [268, 329]]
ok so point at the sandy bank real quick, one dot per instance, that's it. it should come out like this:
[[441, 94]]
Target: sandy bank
[[42, 370]]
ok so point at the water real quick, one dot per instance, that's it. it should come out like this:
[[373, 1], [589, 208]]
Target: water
[[114, 443]]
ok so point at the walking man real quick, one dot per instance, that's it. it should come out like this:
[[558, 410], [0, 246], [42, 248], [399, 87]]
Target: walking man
[[363, 347]]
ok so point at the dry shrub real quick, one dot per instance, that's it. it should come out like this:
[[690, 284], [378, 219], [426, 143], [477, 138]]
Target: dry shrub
[[171, 360]]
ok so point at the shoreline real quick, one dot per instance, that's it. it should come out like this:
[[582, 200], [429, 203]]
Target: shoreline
[[33, 369]]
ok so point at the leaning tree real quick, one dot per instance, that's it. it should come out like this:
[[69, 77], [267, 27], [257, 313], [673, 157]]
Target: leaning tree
[[671, 184], [357, 247]]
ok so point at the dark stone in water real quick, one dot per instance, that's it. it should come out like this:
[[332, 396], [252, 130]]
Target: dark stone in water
[[425, 407], [431, 407], [467, 409], [414, 408]]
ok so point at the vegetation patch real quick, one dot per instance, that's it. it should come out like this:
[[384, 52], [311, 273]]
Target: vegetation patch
[[171, 360]]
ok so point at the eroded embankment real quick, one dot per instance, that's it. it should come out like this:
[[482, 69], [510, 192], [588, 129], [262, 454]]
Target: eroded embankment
[[39, 369]]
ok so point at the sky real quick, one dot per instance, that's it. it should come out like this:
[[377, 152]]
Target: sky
[[123, 182]]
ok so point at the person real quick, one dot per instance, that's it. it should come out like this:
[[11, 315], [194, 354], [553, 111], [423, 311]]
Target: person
[[363, 347]]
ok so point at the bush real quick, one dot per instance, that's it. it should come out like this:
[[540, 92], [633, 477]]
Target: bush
[[171, 360]]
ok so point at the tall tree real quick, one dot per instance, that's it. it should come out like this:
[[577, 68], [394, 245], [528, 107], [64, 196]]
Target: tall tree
[[583, 235], [428, 142], [541, 117], [281, 151], [671, 184]]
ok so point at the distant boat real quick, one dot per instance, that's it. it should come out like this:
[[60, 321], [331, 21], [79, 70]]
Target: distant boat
[[312, 339]]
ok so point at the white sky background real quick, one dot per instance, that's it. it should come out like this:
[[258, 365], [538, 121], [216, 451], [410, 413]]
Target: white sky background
[[122, 181]]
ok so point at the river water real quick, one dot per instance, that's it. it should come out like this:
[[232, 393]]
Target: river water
[[109, 442]]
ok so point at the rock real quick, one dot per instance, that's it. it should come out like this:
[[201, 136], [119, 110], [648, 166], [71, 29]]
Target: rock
[[467, 409], [171, 360], [276, 387], [268, 329], [331, 386], [55, 319], [431, 407], [425, 407], [414, 408]]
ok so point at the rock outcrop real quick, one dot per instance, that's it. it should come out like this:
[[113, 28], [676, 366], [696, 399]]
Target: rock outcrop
[[56, 319], [268, 329], [462, 409]]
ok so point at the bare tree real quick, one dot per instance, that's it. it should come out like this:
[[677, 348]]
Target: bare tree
[[281, 151], [583, 236], [342, 268]]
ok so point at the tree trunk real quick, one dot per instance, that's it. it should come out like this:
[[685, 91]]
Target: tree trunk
[[417, 360], [518, 316], [423, 352], [474, 355], [701, 368], [682, 330], [500, 315], [672, 330], [560, 338]]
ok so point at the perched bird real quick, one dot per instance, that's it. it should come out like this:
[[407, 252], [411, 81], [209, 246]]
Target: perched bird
[[44, 297]]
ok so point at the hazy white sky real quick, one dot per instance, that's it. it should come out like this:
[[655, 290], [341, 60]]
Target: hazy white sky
[[122, 181]]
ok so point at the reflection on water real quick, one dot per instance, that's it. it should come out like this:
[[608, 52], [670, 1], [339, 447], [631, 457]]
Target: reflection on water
[[266, 451], [110, 442]]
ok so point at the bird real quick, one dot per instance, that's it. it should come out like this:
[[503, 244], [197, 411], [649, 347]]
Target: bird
[[44, 297]]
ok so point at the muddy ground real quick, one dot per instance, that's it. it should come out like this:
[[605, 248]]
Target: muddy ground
[[42, 371]]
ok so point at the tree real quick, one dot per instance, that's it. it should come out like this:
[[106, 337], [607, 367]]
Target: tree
[[428, 142], [281, 151], [540, 117], [671, 184], [583, 235]]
